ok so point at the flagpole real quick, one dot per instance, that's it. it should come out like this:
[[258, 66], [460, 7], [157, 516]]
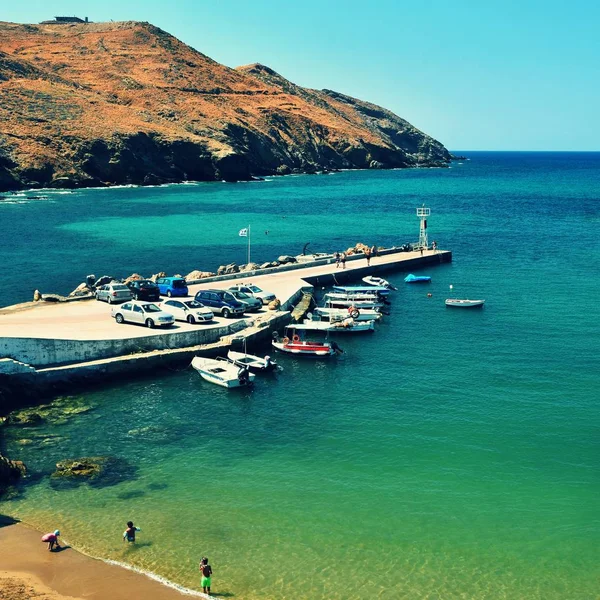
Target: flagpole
[[248, 245]]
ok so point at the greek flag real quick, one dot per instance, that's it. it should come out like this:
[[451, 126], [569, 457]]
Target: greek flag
[[244, 232]]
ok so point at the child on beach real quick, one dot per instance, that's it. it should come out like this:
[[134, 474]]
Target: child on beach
[[52, 540], [206, 571], [129, 533]]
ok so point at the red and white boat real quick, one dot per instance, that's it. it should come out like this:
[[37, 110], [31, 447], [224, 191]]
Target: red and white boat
[[291, 343]]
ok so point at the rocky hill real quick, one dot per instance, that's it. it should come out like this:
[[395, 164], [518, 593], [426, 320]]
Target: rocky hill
[[114, 103]]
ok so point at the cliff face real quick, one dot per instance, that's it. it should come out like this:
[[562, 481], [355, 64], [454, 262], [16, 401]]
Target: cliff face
[[116, 103]]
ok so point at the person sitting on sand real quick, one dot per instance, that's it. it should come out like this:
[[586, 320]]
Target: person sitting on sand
[[206, 571], [129, 533], [52, 540]]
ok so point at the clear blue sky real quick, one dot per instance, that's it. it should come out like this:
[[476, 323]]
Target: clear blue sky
[[480, 75]]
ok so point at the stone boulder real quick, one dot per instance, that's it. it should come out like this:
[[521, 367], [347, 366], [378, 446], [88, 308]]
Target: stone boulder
[[285, 260], [90, 280], [157, 275], [95, 470], [250, 267], [81, 290], [195, 275], [228, 269], [37, 296], [133, 277], [274, 305], [10, 472], [103, 281]]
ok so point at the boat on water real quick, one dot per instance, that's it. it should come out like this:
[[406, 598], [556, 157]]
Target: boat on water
[[378, 282], [222, 372], [358, 314], [340, 301], [410, 278], [464, 303], [292, 343], [359, 290], [252, 362], [347, 325]]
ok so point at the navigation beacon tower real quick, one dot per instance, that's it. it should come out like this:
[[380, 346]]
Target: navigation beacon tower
[[423, 213]]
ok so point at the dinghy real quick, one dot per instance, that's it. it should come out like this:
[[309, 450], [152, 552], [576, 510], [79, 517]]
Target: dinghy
[[254, 363], [291, 343], [458, 303], [417, 278], [222, 372], [359, 314], [378, 282]]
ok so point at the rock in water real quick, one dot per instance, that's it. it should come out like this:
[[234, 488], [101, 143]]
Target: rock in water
[[284, 260]]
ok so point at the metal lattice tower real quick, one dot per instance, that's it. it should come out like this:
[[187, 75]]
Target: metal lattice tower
[[423, 213]]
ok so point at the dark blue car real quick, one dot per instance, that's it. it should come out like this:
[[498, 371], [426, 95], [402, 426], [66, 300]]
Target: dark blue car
[[222, 302], [172, 286]]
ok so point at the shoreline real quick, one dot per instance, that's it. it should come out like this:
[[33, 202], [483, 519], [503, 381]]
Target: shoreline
[[27, 568]]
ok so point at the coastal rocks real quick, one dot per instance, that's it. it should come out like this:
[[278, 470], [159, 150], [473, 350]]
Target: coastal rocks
[[274, 305], [103, 281], [10, 473], [157, 275], [228, 269], [37, 296], [195, 275], [133, 277], [269, 265], [250, 267], [357, 249], [94, 470], [286, 260], [81, 290], [57, 412]]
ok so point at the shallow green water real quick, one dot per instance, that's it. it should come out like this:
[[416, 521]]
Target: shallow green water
[[451, 454]]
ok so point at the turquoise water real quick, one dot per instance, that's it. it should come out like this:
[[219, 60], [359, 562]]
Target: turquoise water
[[451, 454]]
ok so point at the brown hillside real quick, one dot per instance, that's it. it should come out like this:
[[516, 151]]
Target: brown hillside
[[113, 103]]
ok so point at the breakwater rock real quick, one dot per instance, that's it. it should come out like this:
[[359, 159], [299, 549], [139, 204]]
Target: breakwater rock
[[99, 104], [10, 473]]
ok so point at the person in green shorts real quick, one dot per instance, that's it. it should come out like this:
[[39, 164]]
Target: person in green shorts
[[206, 571]]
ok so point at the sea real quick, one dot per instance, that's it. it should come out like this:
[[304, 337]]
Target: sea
[[449, 454]]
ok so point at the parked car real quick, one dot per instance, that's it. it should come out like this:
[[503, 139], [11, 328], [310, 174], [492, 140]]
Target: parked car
[[252, 304], [221, 301], [113, 292], [172, 286], [144, 313], [188, 310], [255, 291], [144, 289]]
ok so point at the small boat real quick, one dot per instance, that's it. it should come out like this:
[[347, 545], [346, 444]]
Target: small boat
[[222, 372], [357, 290], [417, 278], [378, 282], [347, 325], [254, 363], [458, 303], [340, 300], [293, 344], [359, 314]]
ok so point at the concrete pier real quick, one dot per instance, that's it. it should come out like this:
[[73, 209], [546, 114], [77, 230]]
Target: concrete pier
[[54, 342]]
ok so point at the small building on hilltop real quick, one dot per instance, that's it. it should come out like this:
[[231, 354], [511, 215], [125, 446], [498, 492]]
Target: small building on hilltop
[[64, 21]]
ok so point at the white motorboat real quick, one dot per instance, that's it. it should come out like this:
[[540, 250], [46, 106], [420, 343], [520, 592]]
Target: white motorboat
[[347, 325], [222, 372], [464, 303], [254, 363], [379, 282], [340, 301], [356, 290], [291, 343], [359, 314]]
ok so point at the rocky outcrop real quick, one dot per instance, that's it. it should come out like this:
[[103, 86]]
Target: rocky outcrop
[[102, 104], [95, 470], [10, 473], [196, 275], [228, 269]]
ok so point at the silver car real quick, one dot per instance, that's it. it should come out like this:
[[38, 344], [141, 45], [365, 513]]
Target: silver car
[[113, 292], [188, 310], [252, 304], [144, 313], [254, 291]]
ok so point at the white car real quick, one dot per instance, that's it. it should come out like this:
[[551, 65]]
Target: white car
[[255, 291], [144, 313], [191, 311]]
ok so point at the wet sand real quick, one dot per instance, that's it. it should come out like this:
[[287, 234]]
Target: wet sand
[[28, 570]]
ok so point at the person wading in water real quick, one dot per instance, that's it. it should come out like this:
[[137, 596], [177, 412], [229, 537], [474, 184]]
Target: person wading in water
[[206, 571]]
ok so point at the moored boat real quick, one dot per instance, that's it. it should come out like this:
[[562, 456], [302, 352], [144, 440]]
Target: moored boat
[[347, 325], [464, 303], [379, 290], [371, 280], [410, 278], [222, 372], [358, 314], [291, 343], [254, 363]]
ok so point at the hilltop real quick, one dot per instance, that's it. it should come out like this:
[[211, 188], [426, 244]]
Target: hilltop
[[113, 103]]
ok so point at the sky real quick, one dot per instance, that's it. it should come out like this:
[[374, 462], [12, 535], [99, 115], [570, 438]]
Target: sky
[[476, 75]]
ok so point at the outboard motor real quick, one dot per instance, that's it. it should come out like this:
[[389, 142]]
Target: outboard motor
[[243, 376], [336, 348], [275, 336]]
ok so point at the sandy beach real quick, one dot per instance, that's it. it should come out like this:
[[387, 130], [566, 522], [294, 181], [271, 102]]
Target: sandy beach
[[28, 570]]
